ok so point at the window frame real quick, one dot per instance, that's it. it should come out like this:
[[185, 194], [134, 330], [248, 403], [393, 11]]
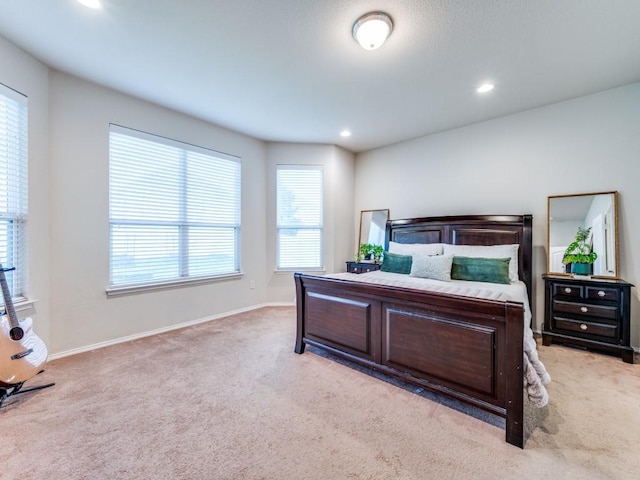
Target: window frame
[[301, 226], [17, 196], [183, 223]]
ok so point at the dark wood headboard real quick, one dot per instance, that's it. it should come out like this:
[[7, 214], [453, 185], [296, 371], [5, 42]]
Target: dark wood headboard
[[470, 230]]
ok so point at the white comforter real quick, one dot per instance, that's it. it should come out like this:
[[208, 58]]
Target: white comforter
[[535, 373]]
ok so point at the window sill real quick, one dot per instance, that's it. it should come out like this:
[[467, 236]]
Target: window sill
[[133, 289], [21, 304]]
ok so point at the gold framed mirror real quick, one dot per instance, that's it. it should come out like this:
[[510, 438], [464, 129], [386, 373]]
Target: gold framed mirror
[[582, 234], [372, 226]]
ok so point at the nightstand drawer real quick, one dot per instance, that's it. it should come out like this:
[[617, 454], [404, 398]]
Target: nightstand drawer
[[600, 311], [362, 267], [564, 290], [596, 293], [587, 328]]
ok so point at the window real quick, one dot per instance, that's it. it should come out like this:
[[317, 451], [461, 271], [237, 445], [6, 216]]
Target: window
[[13, 188], [174, 210], [299, 211]]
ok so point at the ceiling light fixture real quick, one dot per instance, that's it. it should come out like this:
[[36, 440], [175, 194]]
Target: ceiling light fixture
[[372, 30], [487, 87], [91, 3], [345, 133]]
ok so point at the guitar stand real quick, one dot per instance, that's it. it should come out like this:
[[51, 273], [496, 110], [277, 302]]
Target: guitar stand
[[7, 390]]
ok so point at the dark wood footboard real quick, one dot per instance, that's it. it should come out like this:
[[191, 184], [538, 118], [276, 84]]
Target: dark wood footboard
[[465, 348]]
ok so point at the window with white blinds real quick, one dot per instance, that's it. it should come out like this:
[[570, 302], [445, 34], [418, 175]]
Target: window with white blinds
[[300, 217], [174, 210], [13, 189]]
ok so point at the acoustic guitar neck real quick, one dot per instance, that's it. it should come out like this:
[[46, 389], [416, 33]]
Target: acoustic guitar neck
[[15, 331]]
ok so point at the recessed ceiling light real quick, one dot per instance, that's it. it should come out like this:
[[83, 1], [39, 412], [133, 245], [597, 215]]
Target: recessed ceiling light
[[345, 133], [487, 87], [91, 3]]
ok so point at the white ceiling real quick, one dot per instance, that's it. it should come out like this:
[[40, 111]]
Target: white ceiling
[[289, 70]]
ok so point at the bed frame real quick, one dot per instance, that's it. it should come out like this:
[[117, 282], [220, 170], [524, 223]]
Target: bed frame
[[468, 349]]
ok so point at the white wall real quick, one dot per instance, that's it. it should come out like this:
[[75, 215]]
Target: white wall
[[81, 312], [68, 211], [339, 171], [28, 76], [511, 164]]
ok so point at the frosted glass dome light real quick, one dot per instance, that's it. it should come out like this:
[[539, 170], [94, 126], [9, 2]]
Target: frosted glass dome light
[[372, 30]]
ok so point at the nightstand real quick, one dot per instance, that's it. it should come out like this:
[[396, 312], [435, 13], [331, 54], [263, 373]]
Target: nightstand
[[588, 313], [362, 267]]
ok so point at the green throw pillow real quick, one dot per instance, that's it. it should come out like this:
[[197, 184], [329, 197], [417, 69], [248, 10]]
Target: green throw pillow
[[479, 269], [394, 263]]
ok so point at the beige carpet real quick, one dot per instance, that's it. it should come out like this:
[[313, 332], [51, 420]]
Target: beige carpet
[[230, 400]]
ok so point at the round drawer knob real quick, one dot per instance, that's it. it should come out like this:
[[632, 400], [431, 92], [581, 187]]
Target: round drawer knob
[[601, 293], [567, 290], [583, 326], [584, 309]]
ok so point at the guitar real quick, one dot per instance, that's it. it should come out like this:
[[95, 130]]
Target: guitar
[[22, 353]]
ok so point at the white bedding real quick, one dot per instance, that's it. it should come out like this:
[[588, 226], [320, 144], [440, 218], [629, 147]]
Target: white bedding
[[535, 373]]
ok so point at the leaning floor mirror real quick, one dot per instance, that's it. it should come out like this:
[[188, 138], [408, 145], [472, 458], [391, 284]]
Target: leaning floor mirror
[[583, 234], [372, 226]]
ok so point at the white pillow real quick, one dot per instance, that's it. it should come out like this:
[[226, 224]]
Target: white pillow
[[415, 248], [488, 251], [436, 267]]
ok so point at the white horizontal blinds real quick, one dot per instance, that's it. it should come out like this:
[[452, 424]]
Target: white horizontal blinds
[[213, 211], [13, 188], [174, 210], [299, 216]]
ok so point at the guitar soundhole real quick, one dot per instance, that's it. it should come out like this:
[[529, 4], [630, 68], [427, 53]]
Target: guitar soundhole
[[16, 333]]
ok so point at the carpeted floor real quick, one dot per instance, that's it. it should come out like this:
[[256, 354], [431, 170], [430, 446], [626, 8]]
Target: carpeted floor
[[230, 400]]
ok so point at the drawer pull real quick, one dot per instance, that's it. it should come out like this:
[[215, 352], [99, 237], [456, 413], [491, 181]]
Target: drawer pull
[[567, 290], [584, 309], [583, 326], [601, 293]]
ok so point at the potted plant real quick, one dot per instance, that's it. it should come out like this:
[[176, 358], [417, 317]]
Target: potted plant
[[579, 255], [369, 251], [377, 252]]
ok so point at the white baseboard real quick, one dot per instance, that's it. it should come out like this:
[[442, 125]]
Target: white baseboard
[[75, 351], [95, 346]]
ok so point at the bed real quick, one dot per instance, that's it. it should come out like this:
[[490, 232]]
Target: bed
[[468, 348]]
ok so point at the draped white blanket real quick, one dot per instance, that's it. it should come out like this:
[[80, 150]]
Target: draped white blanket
[[535, 373]]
